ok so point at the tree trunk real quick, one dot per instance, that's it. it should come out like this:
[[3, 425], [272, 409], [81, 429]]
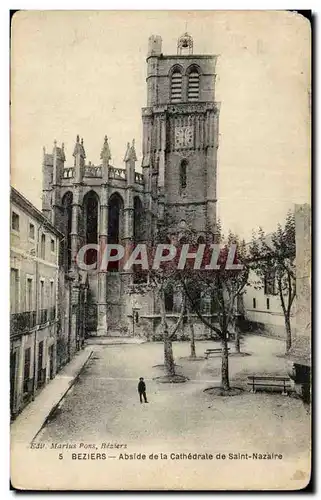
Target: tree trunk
[[237, 339], [168, 355], [192, 333], [168, 348], [288, 341], [225, 384]]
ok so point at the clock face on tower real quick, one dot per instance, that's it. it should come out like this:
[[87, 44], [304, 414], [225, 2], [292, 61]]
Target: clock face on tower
[[184, 137]]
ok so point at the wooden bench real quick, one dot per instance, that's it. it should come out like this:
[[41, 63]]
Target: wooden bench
[[269, 381], [213, 351]]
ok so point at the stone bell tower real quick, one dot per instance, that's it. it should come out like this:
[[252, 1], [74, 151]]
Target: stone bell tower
[[180, 135]]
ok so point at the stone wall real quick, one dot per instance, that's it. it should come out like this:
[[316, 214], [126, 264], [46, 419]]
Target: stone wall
[[150, 328]]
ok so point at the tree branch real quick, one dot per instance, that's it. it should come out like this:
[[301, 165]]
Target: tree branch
[[180, 318], [281, 295], [198, 314]]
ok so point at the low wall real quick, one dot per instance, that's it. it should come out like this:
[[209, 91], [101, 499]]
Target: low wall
[[150, 327], [257, 328]]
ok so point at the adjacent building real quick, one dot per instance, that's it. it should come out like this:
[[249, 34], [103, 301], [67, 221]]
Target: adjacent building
[[300, 352], [34, 327], [262, 307]]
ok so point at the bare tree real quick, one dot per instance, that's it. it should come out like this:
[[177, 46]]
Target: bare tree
[[158, 281], [223, 285], [273, 260], [191, 331]]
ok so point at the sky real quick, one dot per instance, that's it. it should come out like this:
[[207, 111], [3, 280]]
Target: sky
[[83, 72]]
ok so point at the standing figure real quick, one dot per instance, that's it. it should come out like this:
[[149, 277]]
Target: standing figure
[[142, 390]]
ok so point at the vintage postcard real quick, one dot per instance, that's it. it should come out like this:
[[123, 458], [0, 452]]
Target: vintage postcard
[[160, 223]]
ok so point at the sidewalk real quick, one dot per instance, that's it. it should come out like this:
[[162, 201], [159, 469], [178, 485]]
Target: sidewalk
[[30, 421]]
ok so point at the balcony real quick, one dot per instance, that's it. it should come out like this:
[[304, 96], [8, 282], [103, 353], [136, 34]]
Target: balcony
[[22, 322]]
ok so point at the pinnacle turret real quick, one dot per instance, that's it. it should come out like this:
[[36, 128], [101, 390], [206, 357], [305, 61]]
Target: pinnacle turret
[[105, 154], [130, 154], [79, 148], [127, 154]]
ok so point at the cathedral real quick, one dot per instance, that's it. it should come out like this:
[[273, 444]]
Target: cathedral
[[96, 204]]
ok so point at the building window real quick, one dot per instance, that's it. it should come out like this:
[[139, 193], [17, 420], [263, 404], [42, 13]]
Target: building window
[[176, 87], [42, 295], [29, 304], [26, 370], [182, 174], [43, 247], [193, 86], [269, 283], [15, 221], [254, 303], [14, 290], [52, 295], [52, 245], [268, 303], [52, 298], [31, 231]]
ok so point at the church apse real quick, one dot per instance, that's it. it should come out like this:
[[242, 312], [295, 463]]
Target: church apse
[[105, 203]]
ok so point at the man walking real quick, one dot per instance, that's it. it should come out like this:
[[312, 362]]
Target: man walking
[[142, 390]]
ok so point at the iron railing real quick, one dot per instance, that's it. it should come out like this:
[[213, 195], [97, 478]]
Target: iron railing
[[23, 321], [51, 313]]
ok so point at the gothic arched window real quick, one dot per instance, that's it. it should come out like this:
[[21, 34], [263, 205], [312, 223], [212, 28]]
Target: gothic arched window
[[176, 86], [183, 174], [139, 275], [65, 246], [115, 214], [193, 86], [138, 220], [90, 218]]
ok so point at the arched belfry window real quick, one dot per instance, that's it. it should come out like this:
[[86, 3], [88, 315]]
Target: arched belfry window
[[176, 86], [193, 86], [183, 174]]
